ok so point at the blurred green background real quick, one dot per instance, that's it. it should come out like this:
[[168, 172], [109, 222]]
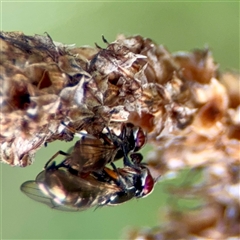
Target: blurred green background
[[178, 26]]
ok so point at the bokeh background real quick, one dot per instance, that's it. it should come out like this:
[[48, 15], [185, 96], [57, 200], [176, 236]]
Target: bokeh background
[[180, 26]]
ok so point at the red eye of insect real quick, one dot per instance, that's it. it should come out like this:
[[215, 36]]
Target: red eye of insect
[[140, 139], [148, 185]]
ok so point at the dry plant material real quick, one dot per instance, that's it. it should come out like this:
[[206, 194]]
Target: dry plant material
[[190, 111]]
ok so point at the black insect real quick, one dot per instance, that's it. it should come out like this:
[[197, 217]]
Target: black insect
[[92, 154], [61, 187]]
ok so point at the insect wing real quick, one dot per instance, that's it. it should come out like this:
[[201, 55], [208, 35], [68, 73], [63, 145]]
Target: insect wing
[[37, 192], [91, 154], [40, 192], [64, 191], [33, 191]]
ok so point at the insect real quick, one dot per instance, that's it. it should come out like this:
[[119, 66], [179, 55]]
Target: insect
[[92, 154], [60, 187]]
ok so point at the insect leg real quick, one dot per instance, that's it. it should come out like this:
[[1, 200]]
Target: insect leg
[[72, 130], [120, 179], [114, 167], [54, 156], [126, 160]]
